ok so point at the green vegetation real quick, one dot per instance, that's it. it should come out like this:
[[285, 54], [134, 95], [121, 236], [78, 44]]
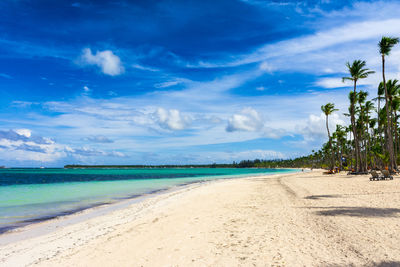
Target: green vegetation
[[368, 142], [328, 109], [314, 160]]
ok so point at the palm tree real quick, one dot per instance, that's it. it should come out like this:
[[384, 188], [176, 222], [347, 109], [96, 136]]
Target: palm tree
[[381, 92], [362, 96], [393, 89], [373, 140], [357, 71], [368, 108], [395, 105], [385, 46], [328, 109], [340, 136]]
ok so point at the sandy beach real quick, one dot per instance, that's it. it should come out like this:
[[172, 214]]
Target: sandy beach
[[302, 219]]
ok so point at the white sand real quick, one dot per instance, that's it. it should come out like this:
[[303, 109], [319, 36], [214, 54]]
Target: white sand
[[304, 219]]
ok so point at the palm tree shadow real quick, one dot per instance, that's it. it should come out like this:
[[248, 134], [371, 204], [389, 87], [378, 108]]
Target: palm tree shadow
[[386, 264], [373, 264], [358, 212], [318, 197]]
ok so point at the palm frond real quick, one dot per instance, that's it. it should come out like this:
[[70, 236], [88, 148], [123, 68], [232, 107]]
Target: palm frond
[[386, 44]]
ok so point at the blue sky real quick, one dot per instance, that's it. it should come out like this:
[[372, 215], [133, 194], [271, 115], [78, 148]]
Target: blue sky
[[177, 82]]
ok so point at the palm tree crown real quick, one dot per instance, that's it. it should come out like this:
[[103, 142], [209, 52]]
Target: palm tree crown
[[386, 44], [381, 89], [357, 70], [393, 88], [328, 109]]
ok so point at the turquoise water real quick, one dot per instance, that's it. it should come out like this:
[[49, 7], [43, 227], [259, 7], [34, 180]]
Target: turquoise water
[[31, 195]]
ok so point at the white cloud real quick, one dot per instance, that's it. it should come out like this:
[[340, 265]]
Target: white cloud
[[141, 67], [257, 154], [166, 84], [134, 119], [315, 126], [99, 139], [274, 133], [24, 132], [91, 152], [109, 63], [265, 66], [86, 89], [242, 155], [351, 32], [23, 104], [247, 120], [172, 119], [21, 145], [262, 3], [336, 82], [354, 35]]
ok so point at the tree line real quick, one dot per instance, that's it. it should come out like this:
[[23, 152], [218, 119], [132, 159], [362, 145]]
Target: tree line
[[301, 162], [371, 141]]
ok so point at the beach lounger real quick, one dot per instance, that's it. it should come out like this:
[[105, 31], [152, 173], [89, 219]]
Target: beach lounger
[[386, 175], [375, 176]]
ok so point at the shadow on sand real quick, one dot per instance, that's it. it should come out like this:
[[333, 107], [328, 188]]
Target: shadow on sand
[[385, 264], [317, 197], [357, 212], [374, 264]]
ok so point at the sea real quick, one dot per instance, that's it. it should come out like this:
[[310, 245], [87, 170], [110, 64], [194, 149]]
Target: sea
[[34, 195]]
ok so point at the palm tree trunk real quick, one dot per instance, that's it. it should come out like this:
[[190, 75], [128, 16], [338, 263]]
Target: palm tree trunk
[[341, 157], [369, 146], [392, 127], [360, 141], [367, 139], [356, 142], [396, 135], [351, 150], [330, 144], [389, 144], [379, 122]]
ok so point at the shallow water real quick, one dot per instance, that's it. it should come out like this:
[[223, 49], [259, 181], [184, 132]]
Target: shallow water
[[31, 195]]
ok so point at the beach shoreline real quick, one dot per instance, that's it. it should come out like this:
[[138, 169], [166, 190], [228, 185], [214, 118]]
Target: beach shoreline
[[47, 225], [284, 219], [101, 207]]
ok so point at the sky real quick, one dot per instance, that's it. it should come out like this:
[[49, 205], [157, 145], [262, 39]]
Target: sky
[[180, 82]]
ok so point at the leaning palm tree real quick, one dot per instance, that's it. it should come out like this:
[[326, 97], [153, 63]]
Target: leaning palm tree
[[357, 71], [328, 109], [385, 46]]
